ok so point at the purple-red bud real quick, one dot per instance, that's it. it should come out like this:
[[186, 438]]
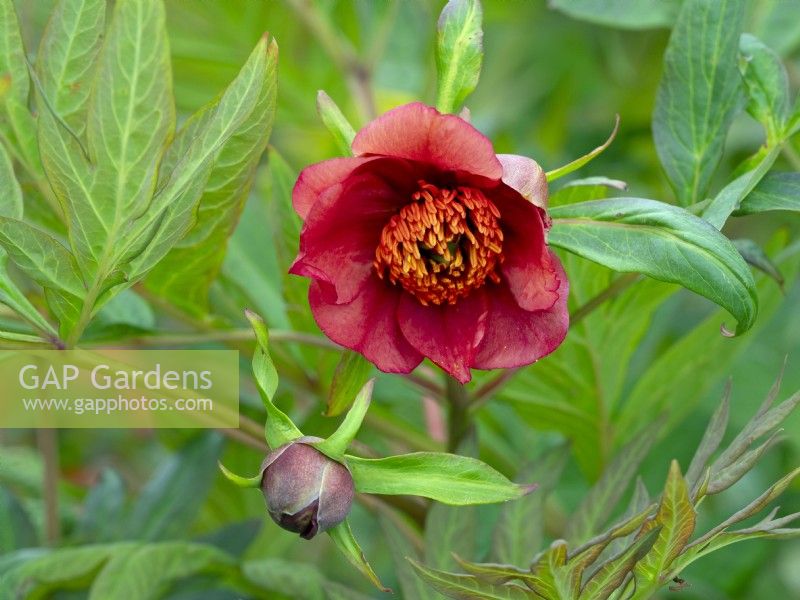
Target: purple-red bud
[[306, 492]]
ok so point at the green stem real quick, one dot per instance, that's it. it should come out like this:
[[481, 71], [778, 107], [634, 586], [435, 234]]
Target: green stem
[[459, 424], [221, 335], [47, 440]]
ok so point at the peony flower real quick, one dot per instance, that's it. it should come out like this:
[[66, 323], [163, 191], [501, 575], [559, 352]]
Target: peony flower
[[427, 244]]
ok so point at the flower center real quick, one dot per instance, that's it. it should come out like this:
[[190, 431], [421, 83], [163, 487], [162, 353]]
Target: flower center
[[442, 245]]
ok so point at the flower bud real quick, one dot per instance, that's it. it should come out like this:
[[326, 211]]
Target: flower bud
[[306, 492]]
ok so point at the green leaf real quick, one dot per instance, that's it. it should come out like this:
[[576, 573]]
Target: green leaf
[[731, 196], [51, 571], [677, 519], [468, 587], [777, 191], [336, 444], [16, 529], [450, 530], [757, 257], [279, 429], [184, 276], [13, 64], [103, 509], [520, 529], [767, 85], [342, 536], [11, 198], [662, 241], [699, 94], [459, 53], [585, 159], [171, 213], [298, 580], [624, 14], [40, 256], [589, 188], [447, 478], [402, 548], [146, 571], [599, 503], [351, 374], [67, 56], [172, 498], [612, 573], [132, 113], [336, 123], [711, 440]]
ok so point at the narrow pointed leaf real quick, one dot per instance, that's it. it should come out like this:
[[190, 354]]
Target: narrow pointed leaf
[[447, 478], [351, 374], [712, 437], [662, 241], [336, 123], [279, 428], [757, 257], [467, 587], [777, 191], [676, 517], [459, 53], [343, 537], [586, 158], [766, 83], [612, 573], [699, 94]]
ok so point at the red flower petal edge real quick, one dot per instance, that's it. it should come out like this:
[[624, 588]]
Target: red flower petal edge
[[427, 244]]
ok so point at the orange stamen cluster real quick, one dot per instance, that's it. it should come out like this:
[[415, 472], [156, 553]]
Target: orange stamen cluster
[[442, 245]]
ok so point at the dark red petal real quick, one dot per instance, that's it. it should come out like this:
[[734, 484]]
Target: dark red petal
[[527, 267], [448, 335], [342, 231], [421, 133], [517, 337], [526, 176], [367, 324], [317, 178]]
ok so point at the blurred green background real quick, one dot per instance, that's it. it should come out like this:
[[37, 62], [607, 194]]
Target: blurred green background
[[550, 87]]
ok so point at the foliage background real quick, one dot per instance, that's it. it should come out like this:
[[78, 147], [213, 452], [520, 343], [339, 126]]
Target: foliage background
[[550, 87]]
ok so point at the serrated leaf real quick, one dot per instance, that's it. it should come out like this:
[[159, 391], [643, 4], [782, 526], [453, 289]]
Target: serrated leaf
[[467, 587], [352, 372], [699, 94], [662, 241], [551, 578], [67, 56], [447, 478], [676, 517], [171, 499], [184, 276], [459, 53], [343, 537], [336, 123], [612, 573], [757, 257], [520, 529], [767, 85], [495, 573], [777, 191], [601, 500], [721, 478]]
